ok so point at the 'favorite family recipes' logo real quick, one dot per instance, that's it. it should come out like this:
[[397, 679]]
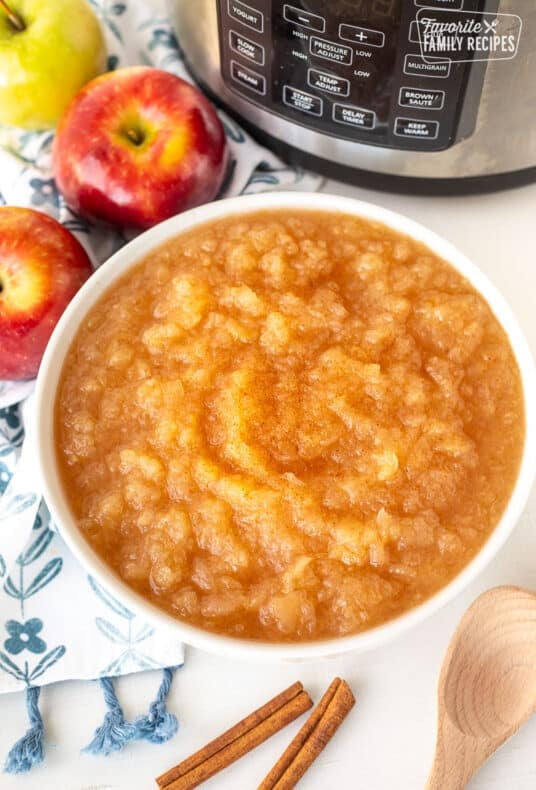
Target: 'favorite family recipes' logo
[[464, 36]]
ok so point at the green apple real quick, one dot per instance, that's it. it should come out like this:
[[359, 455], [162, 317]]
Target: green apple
[[49, 49]]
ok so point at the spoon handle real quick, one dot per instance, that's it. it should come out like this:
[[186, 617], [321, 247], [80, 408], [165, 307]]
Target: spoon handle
[[456, 759]]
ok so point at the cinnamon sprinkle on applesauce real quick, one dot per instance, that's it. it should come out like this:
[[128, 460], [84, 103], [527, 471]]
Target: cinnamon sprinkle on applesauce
[[290, 425]]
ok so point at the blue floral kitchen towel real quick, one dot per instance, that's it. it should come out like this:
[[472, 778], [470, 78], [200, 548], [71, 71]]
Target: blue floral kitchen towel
[[56, 622]]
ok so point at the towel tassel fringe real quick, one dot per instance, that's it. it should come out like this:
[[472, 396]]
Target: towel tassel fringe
[[114, 732], [159, 725], [28, 751]]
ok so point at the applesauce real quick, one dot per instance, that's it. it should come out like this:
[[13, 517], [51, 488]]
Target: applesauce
[[289, 425]]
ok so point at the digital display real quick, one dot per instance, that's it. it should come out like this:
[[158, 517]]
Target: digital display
[[364, 9]]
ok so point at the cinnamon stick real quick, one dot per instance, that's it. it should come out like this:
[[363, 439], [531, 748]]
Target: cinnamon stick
[[319, 728], [237, 741]]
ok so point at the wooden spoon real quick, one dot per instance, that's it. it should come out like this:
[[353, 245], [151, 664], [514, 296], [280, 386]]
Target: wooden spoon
[[487, 685]]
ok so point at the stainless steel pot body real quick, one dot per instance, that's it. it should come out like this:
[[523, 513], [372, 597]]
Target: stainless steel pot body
[[496, 122]]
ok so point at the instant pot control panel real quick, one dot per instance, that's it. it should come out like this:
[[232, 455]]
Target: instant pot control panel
[[350, 68]]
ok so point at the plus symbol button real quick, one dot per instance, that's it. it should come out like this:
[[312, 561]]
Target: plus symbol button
[[361, 36]]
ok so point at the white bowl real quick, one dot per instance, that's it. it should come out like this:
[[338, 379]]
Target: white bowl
[[128, 257]]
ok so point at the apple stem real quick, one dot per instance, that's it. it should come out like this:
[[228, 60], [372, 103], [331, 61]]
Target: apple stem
[[133, 135], [15, 20]]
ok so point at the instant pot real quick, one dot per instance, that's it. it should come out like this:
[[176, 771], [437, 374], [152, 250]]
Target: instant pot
[[427, 95]]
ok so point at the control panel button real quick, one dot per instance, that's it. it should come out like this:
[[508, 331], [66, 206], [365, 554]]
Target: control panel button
[[250, 79], [248, 49], [322, 81], [414, 32], [354, 116], [411, 127], [362, 35], [247, 15], [421, 98], [304, 18], [330, 50], [302, 101], [451, 4], [415, 65]]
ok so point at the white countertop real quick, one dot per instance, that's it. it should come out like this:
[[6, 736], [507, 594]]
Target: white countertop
[[387, 741]]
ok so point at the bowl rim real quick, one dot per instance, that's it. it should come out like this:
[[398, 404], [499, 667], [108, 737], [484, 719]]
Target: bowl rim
[[128, 257]]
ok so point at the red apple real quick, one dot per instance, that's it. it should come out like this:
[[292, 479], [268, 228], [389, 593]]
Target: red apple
[[42, 266], [137, 146]]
